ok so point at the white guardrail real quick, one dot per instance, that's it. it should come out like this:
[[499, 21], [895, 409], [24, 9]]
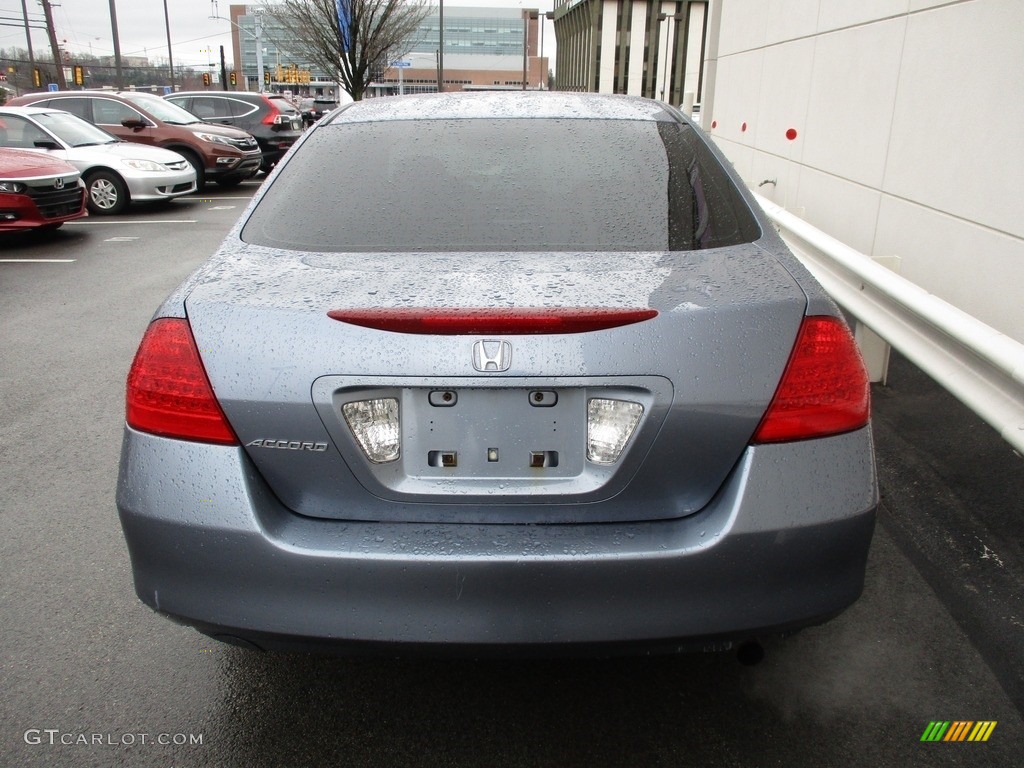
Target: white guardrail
[[979, 365]]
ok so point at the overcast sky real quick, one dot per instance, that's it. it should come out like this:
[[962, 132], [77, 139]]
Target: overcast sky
[[85, 24]]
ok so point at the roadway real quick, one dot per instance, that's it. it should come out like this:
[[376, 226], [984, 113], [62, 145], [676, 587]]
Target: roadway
[[938, 634]]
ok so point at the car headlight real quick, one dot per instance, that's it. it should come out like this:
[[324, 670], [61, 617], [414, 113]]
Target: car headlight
[[215, 138], [12, 186], [144, 165]]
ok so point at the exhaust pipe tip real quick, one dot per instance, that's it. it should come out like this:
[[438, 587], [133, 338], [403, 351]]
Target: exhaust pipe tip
[[750, 653]]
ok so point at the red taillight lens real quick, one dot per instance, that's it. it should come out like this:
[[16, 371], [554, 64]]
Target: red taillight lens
[[474, 320], [824, 389], [168, 392], [271, 117]]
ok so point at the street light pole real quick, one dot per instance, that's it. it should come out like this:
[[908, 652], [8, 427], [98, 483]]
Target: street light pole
[[440, 50], [526, 34], [258, 37]]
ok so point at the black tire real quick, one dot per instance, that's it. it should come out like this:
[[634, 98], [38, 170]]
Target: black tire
[[107, 193], [197, 164], [230, 181]]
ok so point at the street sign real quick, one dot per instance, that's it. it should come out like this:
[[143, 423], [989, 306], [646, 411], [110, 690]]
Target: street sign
[[402, 64], [52, 87]]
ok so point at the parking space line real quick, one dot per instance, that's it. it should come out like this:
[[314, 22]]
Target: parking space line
[[211, 199], [37, 261], [132, 221]]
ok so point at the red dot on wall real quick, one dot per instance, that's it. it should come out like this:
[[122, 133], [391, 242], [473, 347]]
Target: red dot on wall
[[714, 123], [743, 127], [791, 134]]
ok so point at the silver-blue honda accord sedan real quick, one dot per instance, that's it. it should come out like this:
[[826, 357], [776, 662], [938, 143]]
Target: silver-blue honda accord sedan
[[507, 372]]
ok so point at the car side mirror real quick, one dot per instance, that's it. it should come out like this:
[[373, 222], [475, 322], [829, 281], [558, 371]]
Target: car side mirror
[[135, 123], [46, 144]]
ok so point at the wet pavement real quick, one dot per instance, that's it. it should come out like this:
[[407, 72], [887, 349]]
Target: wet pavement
[[90, 676]]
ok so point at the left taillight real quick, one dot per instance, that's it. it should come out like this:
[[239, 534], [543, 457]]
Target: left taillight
[[824, 389], [168, 392]]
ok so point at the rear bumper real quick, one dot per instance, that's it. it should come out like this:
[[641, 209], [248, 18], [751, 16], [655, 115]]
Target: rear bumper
[[214, 549]]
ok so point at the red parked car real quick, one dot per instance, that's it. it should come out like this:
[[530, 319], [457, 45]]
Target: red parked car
[[38, 192]]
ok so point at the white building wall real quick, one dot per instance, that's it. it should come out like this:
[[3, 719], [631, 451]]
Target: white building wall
[[608, 39], [635, 83], [908, 120]]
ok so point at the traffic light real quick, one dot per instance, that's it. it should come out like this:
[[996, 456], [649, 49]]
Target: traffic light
[[234, 80], [206, 79], [79, 73], [37, 78], [266, 77]]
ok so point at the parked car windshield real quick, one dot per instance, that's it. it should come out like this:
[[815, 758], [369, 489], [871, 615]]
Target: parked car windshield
[[73, 130], [502, 185], [162, 110]]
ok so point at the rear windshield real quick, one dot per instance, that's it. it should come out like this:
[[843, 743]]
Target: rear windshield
[[502, 185]]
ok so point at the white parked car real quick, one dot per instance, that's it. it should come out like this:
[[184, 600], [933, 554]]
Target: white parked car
[[116, 172]]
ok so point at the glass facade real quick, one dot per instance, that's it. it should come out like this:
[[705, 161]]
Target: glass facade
[[491, 31]]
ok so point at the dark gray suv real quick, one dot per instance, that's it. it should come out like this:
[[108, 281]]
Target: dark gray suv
[[269, 117]]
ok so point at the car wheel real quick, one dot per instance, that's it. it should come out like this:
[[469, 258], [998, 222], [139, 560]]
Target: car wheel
[[230, 181], [197, 164], [107, 193]]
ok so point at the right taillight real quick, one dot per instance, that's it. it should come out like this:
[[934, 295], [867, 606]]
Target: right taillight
[[168, 393], [272, 113], [824, 389]]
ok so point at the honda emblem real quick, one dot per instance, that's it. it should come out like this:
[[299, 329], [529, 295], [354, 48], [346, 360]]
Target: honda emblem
[[492, 355]]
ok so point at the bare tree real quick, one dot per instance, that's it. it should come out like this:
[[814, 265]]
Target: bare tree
[[378, 32]]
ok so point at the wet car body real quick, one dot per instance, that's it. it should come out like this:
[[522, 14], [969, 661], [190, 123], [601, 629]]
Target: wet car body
[[115, 172], [38, 192], [517, 423]]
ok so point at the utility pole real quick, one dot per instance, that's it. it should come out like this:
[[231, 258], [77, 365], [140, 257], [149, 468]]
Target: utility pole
[[223, 70], [57, 59], [170, 55], [28, 34], [119, 81]]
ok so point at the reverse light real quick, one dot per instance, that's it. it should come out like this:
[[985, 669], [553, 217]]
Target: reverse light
[[610, 424], [466, 321], [376, 427], [824, 389], [168, 393]]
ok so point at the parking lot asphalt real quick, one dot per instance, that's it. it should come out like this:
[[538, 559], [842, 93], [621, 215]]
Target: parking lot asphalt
[[937, 635], [953, 496]]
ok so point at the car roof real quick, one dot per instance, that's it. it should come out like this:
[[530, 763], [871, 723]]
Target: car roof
[[224, 94], [27, 110], [505, 104]]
